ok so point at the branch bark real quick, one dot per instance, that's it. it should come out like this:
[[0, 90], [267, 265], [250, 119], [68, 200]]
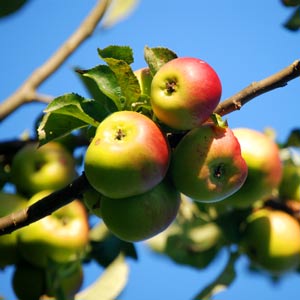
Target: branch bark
[[44, 207], [277, 80], [27, 91]]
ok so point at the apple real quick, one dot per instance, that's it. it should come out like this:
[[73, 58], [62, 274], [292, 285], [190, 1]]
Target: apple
[[28, 281], [128, 156], [184, 92], [264, 168], [271, 239], [9, 203], [142, 216], [61, 237], [207, 165], [92, 200], [289, 187], [48, 167], [31, 282], [144, 78]]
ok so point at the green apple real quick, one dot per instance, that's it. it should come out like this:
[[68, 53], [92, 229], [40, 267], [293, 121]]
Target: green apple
[[128, 156], [60, 237], [184, 92], [48, 167], [289, 187], [28, 281], [9, 203], [144, 78], [271, 239], [142, 216], [207, 165], [264, 168]]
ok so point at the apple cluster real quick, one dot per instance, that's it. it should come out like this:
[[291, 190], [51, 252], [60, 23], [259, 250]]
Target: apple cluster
[[47, 254], [139, 176]]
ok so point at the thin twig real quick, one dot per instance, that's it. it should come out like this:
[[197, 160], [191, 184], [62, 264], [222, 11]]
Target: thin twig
[[279, 79], [27, 91]]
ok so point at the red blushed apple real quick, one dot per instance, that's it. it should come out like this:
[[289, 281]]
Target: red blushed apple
[[207, 165], [184, 92], [128, 156], [264, 168]]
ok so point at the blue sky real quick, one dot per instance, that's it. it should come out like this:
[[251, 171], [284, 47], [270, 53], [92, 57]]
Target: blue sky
[[243, 40]]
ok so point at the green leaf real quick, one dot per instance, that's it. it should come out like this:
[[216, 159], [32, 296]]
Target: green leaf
[[54, 126], [225, 278], [291, 2], [157, 57], [107, 82], [67, 113], [119, 10], [118, 52], [110, 284], [8, 7], [293, 23], [218, 121]]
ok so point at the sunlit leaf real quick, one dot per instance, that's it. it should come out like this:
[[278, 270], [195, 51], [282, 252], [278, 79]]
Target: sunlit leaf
[[54, 126], [224, 280], [8, 7], [118, 52], [107, 82], [157, 57], [110, 284], [119, 10], [294, 21]]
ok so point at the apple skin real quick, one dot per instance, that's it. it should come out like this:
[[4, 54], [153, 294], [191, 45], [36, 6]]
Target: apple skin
[[144, 78], [271, 239], [49, 167], [264, 168], [128, 156], [61, 237], [9, 203], [289, 187], [207, 165], [143, 216], [184, 92], [28, 281]]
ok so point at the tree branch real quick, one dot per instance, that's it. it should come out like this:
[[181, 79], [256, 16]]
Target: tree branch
[[44, 207], [27, 91], [258, 88]]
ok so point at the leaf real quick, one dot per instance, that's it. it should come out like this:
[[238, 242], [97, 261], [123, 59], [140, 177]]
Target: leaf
[[291, 2], [293, 23], [118, 52], [54, 126], [11, 6], [225, 278], [107, 82], [119, 10], [218, 121], [157, 57], [110, 284], [67, 113]]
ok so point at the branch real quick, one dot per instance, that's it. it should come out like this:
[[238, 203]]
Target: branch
[[258, 88], [27, 91], [44, 207]]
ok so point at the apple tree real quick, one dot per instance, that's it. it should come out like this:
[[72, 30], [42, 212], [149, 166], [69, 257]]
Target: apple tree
[[160, 164]]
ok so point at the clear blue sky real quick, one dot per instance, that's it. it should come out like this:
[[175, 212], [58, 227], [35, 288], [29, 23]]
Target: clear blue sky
[[243, 40]]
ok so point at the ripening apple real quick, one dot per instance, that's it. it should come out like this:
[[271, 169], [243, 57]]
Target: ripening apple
[[289, 187], [207, 165], [9, 203], [61, 237], [262, 156], [271, 239], [144, 78], [129, 155], [49, 167], [184, 92], [142, 216]]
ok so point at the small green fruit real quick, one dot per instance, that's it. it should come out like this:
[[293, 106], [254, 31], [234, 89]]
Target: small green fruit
[[140, 217]]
